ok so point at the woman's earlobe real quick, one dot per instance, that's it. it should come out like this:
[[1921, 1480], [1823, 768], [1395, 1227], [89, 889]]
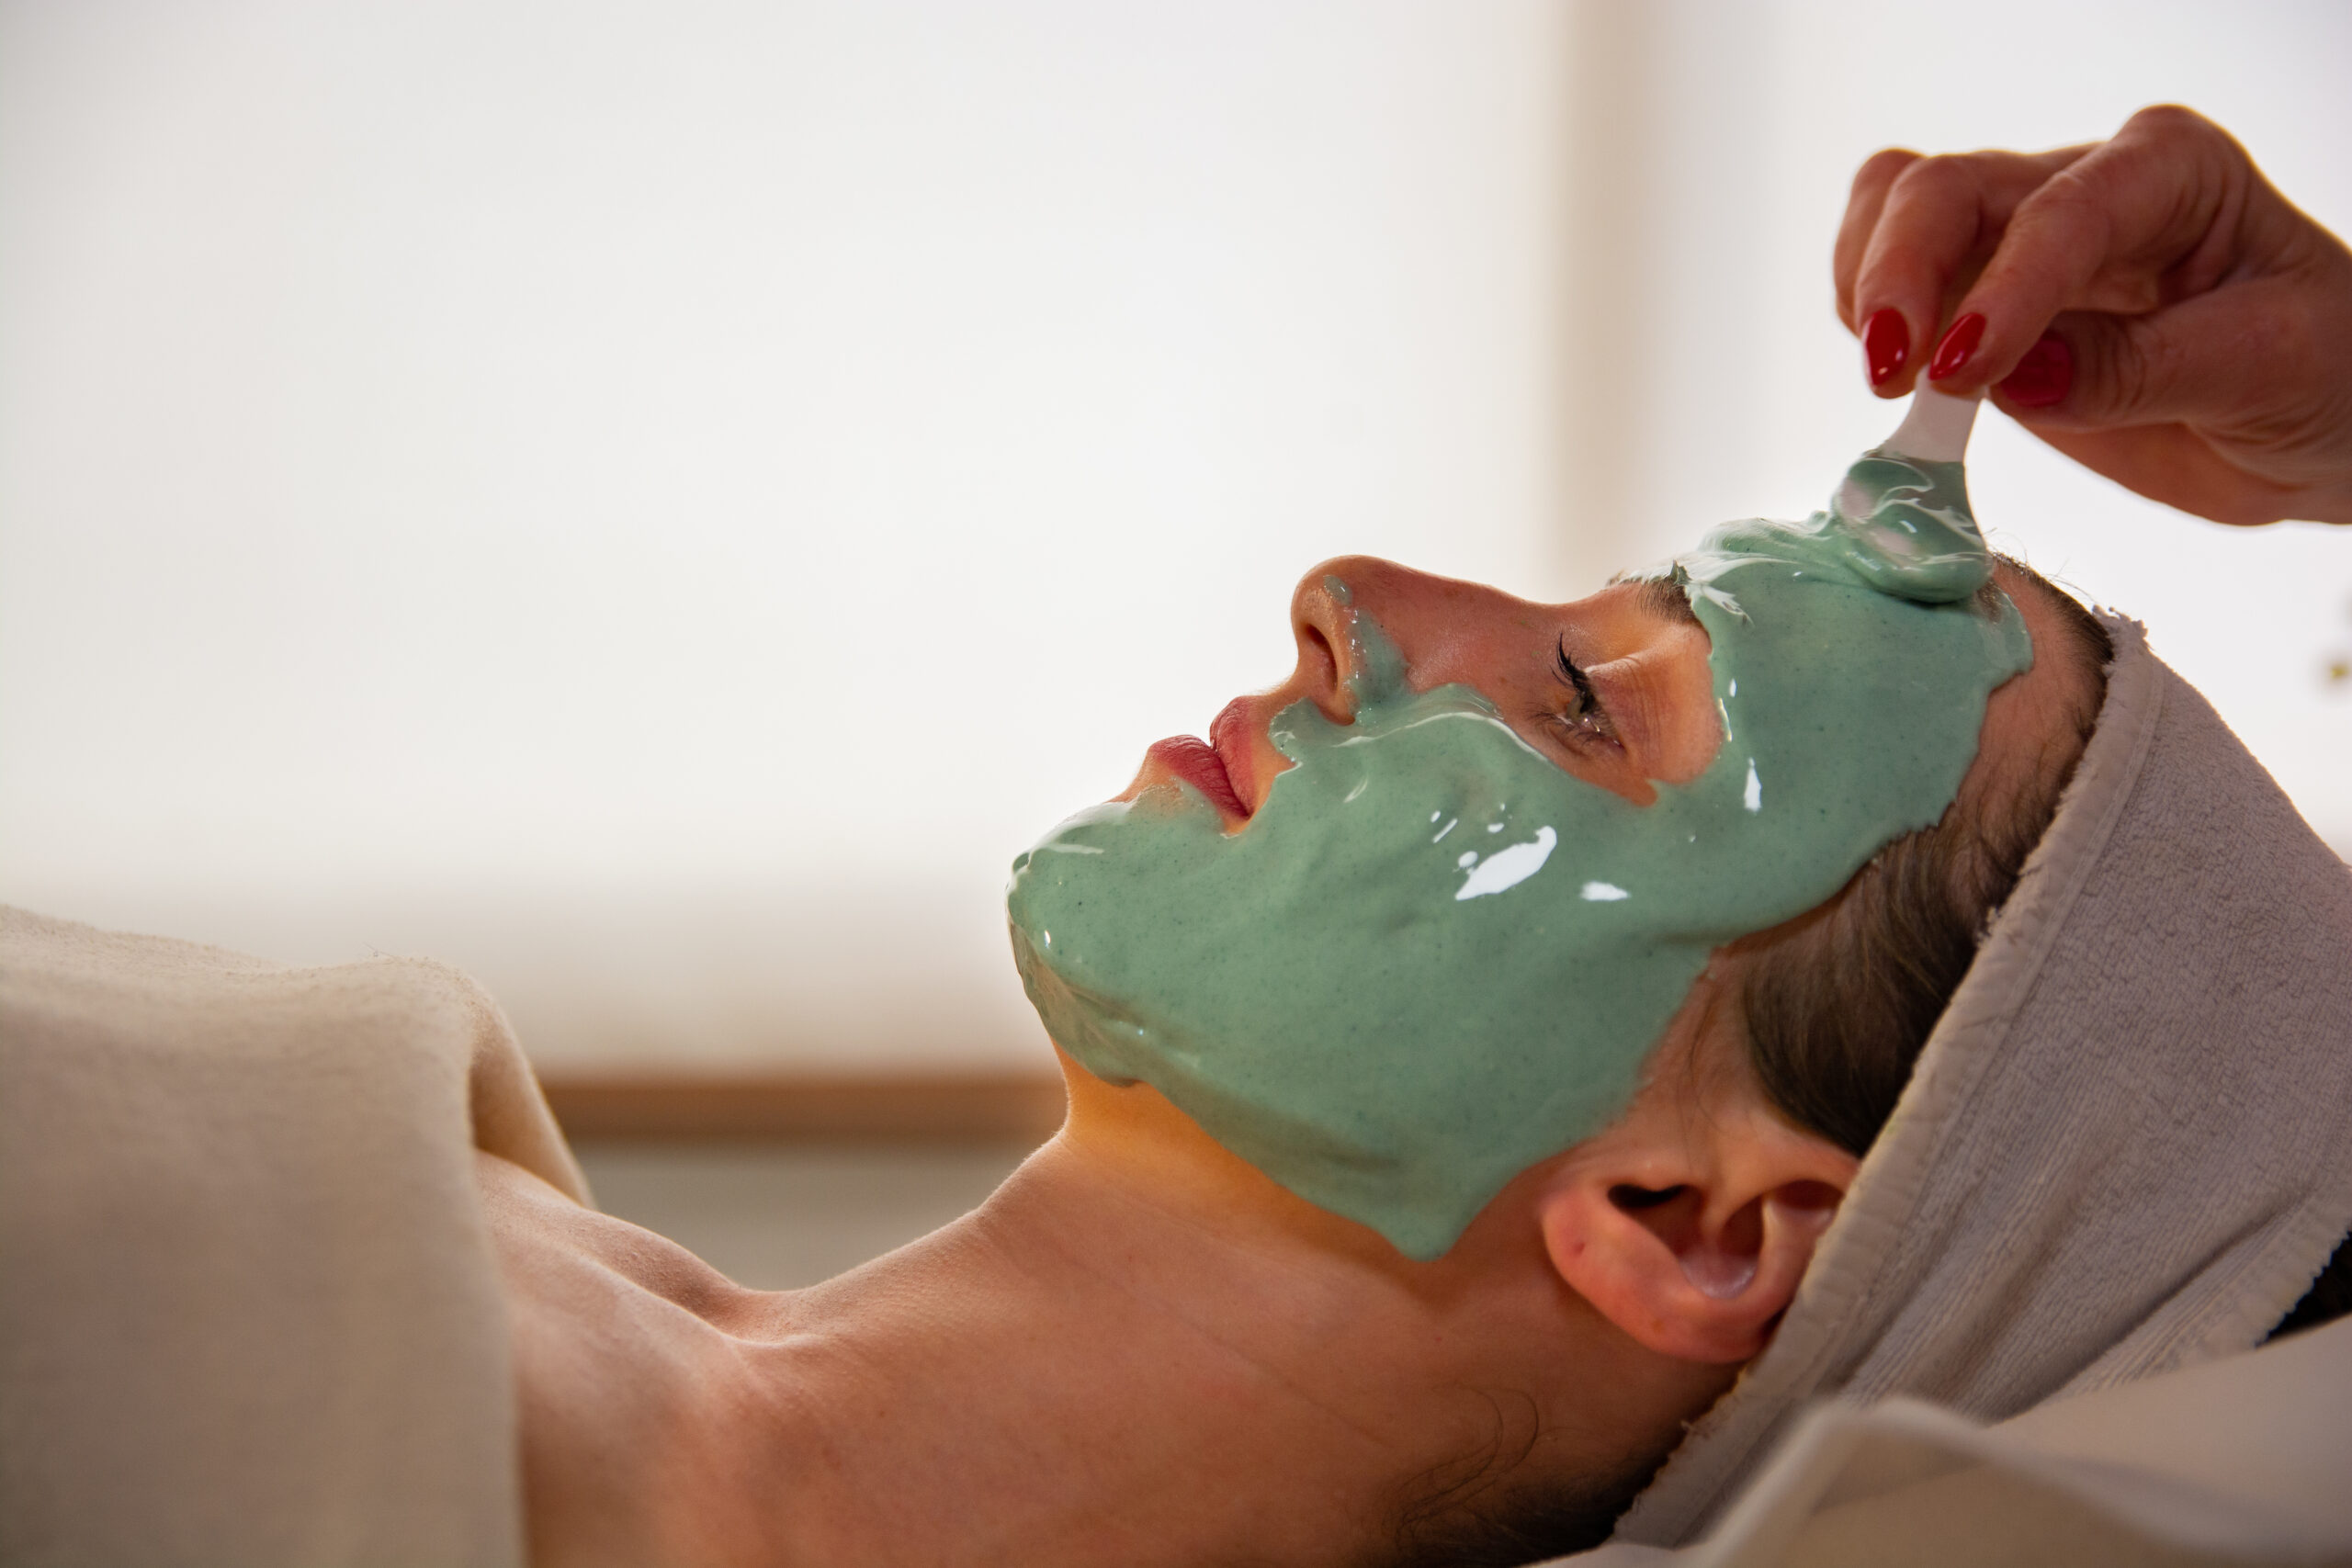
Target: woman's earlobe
[[1699, 1269]]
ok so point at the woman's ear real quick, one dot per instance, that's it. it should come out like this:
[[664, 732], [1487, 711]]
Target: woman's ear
[[1689, 1223]]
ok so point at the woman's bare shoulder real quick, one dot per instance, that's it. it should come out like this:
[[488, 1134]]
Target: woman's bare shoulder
[[639, 1401]]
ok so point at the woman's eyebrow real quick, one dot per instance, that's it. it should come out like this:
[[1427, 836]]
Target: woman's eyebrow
[[1664, 598]]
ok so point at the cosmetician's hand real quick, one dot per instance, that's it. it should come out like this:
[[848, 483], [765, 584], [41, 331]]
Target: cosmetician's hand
[[2148, 305]]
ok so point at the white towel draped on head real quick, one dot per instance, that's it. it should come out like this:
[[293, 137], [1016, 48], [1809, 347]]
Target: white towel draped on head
[[2127, 1146]]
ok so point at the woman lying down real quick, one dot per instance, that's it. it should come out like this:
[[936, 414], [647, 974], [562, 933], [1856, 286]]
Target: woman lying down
[[1513, 1065]]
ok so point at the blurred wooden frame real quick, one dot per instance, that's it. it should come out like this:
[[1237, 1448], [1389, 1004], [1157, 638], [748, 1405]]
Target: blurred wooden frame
[[934, 1107]]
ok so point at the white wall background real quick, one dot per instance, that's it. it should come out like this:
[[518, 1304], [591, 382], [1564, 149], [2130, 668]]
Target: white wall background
[[659, 503]]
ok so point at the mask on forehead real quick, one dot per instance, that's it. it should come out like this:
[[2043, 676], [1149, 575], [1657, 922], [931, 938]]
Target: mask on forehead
[[1432, 958]]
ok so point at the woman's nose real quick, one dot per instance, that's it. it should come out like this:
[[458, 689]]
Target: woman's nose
[[1323, 609], [1318, 622]]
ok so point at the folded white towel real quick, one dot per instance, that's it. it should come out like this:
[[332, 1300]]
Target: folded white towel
[[2234, 1461], [249, 1313]]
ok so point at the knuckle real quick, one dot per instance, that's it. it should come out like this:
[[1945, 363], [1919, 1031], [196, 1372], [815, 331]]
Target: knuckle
[[1943, 177], [2068, 194], [2169, 124], [1881, 168], [2131, 374], [2076, 201]]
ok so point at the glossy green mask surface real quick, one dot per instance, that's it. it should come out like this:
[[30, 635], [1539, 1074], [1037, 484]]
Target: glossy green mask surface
[[1432, 958], [1903, 525]]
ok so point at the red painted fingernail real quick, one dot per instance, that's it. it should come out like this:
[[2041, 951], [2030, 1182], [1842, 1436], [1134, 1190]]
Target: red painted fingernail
[[2044, 376], [1886, 346], [1958, 344]]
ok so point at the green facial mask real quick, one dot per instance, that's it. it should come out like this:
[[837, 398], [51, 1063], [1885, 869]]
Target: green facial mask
[[1432, 958]]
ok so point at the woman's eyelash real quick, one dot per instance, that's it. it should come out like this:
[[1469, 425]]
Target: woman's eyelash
[[1588, 720], [1573, 674]]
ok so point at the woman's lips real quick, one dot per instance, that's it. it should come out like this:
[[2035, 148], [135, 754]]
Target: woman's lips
[[1222, 767], [1195, 762], [1230, 733]]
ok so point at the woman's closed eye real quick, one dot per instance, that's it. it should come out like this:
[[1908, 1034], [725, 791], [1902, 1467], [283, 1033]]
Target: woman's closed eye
[[1581, 720]]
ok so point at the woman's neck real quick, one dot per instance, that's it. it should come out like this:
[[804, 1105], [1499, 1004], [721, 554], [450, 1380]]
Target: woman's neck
[[1136, 1351], [1140, 1349], [1075, 1374]]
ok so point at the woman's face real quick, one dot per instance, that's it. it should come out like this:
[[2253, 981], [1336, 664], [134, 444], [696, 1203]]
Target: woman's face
[[1412, 920], [1614, 688]]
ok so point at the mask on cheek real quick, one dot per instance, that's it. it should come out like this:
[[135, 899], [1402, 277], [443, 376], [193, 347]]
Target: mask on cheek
[[1432, 958]]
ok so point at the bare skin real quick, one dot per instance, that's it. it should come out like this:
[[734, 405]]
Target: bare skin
[[1143, 1350], [1139, 1350]]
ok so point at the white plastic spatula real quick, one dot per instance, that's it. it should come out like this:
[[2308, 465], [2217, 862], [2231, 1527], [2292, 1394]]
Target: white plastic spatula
[[1935, 429]]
